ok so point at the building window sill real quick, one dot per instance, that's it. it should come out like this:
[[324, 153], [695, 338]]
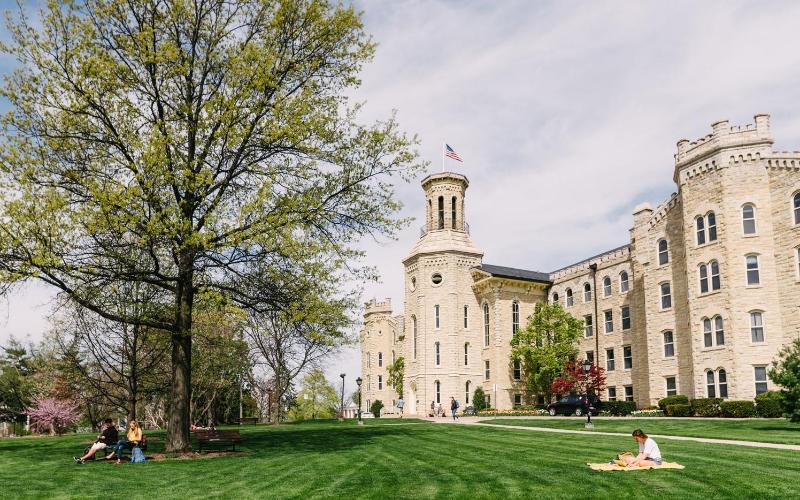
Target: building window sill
[[714, 348]]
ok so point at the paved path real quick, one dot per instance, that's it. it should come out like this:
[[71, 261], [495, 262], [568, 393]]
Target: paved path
[[477, 421]]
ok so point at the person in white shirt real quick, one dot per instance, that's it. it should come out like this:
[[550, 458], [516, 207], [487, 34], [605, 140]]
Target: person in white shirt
[[649, 454]]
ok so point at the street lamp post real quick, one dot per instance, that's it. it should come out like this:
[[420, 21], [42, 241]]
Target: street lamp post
[[358, 383], [269, 405], [587, 367], [341, 406]]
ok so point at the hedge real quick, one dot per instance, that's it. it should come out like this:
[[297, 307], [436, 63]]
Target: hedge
[[768, 405], [707, 407], [738, 409], [679, 410], [679, 399], [618, 408]]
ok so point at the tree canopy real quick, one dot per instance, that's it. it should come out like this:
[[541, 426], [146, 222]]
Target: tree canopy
[[205, 150]]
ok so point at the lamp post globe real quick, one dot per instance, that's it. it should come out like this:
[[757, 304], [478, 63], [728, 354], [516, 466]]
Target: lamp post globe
[[587, 368], [358, 383]]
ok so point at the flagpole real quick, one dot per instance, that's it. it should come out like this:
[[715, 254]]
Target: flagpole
[[443, 149]]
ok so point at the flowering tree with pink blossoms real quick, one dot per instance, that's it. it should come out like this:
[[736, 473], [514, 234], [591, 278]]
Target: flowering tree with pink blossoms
[[52, 414]]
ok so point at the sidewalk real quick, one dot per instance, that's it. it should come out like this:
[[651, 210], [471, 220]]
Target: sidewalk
[[477, 421]]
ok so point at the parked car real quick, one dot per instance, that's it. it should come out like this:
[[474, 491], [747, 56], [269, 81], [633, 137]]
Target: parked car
[[575, 404]]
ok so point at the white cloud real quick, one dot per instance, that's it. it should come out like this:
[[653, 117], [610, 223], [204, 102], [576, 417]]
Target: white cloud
[[567, 113]]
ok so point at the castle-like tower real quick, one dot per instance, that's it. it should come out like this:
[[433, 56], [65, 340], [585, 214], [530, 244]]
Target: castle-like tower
[[698, 303], [381, 345]]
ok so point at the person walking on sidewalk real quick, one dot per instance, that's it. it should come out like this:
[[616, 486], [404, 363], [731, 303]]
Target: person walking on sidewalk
[[454, 407]]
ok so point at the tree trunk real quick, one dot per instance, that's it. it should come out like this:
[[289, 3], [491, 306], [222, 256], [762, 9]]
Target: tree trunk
[[181, 391]]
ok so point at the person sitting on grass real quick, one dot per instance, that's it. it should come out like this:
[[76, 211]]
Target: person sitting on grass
[[131, 440], [649, 454], [108, 437]]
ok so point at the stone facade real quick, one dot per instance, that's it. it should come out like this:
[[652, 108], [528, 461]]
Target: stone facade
[[698, 303]]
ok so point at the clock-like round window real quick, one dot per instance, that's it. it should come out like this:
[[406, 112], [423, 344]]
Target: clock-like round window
[[436, 279]]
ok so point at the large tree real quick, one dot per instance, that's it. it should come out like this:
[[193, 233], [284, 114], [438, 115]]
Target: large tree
[[786, 373], [317, 398], [545, 346], [396, 372], [203, 148]]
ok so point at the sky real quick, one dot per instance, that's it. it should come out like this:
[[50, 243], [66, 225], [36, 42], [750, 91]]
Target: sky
[[566, 114]]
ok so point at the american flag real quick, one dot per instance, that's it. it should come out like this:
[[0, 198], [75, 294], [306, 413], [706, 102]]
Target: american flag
[[451, 153]]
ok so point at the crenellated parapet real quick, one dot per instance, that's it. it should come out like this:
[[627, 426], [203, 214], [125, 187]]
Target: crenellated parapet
[[374, 307]]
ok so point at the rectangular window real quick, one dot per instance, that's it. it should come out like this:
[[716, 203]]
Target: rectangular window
[[761, 379], [436, 314], [723, 384], [486, 325], [711, 388], [380, 382], [587, 326], [488, 400], [606, 287], [628, 393], [626, 318], [517, 399], [756, 327], [466, 354], [587, 293], [590, 356], [669, 345], [666, 296], [752, 270], [623, 282], [609, 360], [609, 321], [712, 227], [514, 317], [487, 373], [517, 370], [672, 388], [466, 316], [627, 357], [438, 357], [716, 284], [612, 393], [797, 257]]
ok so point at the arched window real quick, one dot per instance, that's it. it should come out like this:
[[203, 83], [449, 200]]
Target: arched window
[[797, 208], [569, 297], [606, 286], [753, 277], [701, 230], [587, 292], [756, 326], [466, 354], [703, 278], [749, 219], [514, 317], [722, 379], [380, 359], [708, 339], [715, 280], [414, 330], [623, 282], [555, 298], [453, 211], [437, 353], [441, 212], [711, 390], [663, 252], [466, 316], [436, 315], [438, 390], [719, 330], [712, 226], [466, 393], [486, 324], [666, 296]]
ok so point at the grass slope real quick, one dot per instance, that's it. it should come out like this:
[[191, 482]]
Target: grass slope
[[342, 460], [765, 430]]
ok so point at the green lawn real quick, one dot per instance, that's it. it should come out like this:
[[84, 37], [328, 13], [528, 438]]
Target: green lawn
[[768, 431], [408, 460]]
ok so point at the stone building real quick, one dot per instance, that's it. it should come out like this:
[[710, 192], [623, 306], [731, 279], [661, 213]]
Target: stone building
[[698, 303]]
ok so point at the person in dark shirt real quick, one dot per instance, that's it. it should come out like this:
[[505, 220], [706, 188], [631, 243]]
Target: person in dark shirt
[[108, 437]]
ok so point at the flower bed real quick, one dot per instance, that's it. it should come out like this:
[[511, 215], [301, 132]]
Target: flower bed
[[513, 413], [647, 413]]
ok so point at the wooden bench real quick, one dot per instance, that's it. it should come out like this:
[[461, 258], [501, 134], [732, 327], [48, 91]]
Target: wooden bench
[[217, 437], [247, 420]]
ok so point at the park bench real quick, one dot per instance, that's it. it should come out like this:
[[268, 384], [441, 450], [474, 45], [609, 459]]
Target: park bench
[[206, 437], [108, 450], [247, 420]]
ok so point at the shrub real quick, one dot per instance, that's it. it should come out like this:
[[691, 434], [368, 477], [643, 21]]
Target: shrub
[[478, 399], [376, 407], [707, 407], [648, 413], [738, 409], [679, 399], [768, 405], [618, 408], [679, 410], [786, 373]]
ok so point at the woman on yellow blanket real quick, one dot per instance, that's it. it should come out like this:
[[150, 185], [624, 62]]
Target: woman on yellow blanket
[[649, 454]]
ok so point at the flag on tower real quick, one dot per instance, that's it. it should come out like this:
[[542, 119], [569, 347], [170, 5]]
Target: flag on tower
[[451, 153]]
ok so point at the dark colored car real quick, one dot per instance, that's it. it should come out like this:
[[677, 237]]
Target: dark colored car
[[575, 404]]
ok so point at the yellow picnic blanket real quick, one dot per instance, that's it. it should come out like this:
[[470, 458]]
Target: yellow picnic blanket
[[608, 467]]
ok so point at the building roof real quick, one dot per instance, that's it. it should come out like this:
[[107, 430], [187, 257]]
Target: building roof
[[584, 261], [519, 274]]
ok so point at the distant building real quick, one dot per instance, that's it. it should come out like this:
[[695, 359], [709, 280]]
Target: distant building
[[698, 303]]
